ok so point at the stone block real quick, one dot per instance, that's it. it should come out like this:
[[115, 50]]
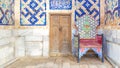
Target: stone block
[[108, 48], [19, 47], [50, 65], [84, 66], [4, 41], [92, 66], [66, 65], [102, 66], [46, 38], [31, 66], [114, 33], [5, 33], [33, 38], [118, 34], [46, 48], [40, 32], [113, 52], [34, 48], [6, 54], [2, 61], [9, 57], [109, 35], [118, 37], [45, 53], [22, 32], [74, 66]]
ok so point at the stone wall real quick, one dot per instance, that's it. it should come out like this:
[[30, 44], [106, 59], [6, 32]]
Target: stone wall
[[6, 46], [31, 42], [15, 43], [112, 45]]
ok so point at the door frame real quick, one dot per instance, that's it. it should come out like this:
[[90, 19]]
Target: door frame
[[50, 28]]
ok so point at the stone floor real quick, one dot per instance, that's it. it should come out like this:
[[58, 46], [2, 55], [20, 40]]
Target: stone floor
[[88, 61]]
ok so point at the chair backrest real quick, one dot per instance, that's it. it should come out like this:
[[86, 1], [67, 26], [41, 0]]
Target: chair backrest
[[86, 27]]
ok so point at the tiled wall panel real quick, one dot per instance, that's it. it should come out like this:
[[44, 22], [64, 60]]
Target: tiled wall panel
[[6, 12], [32, 12], [112, 11], [87, 26], [60, 4], [87, 7]]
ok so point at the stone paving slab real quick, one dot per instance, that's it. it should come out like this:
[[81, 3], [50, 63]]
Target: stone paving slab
[[59, 62]]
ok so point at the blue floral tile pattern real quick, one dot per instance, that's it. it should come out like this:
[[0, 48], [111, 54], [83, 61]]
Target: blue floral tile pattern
[[33, 12], [60, 4]]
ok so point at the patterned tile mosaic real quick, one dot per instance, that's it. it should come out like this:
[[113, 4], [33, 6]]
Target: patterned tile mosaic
[[119, 8], [60, 4], [6, 12], [112, 10], [87, 26], [89, 7], [33, 12]]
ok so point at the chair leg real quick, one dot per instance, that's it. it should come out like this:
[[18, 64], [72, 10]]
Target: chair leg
[[102, 54], [78, 59], [78, 55], [102, 57]]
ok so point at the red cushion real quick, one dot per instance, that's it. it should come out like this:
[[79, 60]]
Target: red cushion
[[90, 45], [97, 42]]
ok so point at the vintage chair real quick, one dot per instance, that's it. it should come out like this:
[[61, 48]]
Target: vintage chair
[[88, 37]]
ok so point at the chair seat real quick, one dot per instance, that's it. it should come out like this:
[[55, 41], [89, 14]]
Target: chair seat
[[90, 45]]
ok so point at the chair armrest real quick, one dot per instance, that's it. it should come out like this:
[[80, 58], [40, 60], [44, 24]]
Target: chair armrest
[[99, 38]]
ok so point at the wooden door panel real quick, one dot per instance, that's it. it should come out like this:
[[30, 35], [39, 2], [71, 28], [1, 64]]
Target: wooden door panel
[[60, 33], [55, 20], [55, 39], [54, 34], [65, 34], [65, 43], [65, 20]]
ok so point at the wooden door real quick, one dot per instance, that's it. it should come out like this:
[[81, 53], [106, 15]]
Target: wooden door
[[60, 34]]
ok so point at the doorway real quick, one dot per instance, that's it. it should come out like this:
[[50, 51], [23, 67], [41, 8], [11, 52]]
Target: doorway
[[60, 34]]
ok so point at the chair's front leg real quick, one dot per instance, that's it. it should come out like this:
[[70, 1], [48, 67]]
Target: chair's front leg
[[102, 58], [102, 48], [78, 55], [78, 47]]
